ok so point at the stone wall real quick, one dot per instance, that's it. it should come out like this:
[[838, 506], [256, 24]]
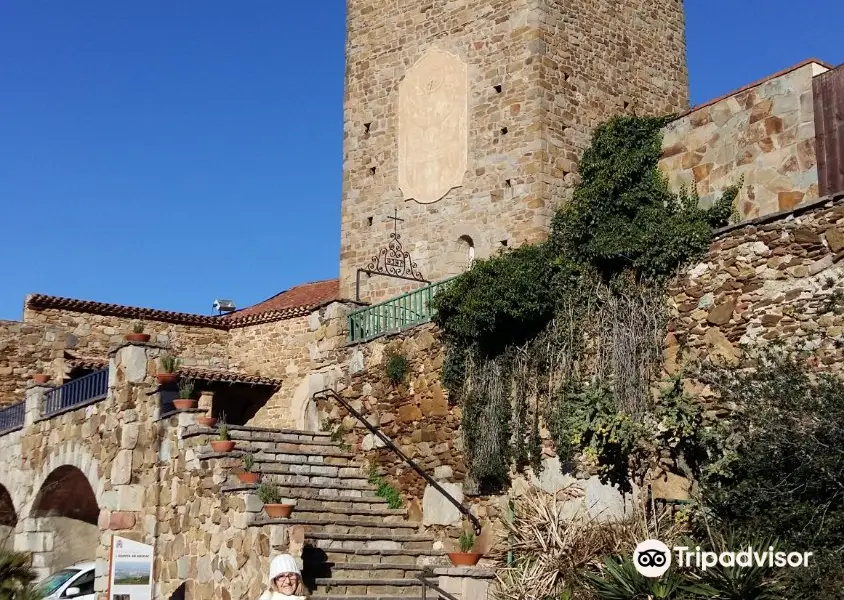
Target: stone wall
[[770, 281], [764, 133], [541, 75], [292, 350], [27, 349], [94, 335]]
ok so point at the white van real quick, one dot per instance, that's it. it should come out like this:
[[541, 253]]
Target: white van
[[75, 582]]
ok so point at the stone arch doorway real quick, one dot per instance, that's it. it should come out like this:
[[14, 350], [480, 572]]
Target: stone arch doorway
[[64, 515], [8, 519]]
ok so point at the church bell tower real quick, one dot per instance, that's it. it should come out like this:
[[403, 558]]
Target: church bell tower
[[464, 121]]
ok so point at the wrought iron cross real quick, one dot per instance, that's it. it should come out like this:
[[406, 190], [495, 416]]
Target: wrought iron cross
[[395, 220]]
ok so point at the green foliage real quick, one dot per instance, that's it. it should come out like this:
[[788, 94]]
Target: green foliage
[[17, 577], [138, 327], [169, 363], [384, 489], [467, 541], [186, 387], [781, 473], [268, 493], [396, 368], [619, 580], [223, 429], [752, 582], [623, 215], [623, 228], [248, 462], [503, 300]]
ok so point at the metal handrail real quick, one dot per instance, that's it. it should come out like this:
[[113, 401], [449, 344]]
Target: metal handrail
[[427, 583], [476, 525], [12, 416]]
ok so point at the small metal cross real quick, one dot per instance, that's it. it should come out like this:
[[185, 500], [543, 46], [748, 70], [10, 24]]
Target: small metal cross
[[395, 220]]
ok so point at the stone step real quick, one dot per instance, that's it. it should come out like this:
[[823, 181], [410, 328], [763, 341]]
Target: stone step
[[234, 460], [379, 539], [344, 570], [348, 488], [318, 560], [318, 494], [369, 587], [262, 434], [391, 520], [268, 452], [330, 523]]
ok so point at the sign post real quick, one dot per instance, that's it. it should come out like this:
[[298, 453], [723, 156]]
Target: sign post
[[130, 570]]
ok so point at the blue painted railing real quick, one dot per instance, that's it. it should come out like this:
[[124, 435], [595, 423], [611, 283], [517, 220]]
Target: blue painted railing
[[12, 417], [401, 312], [78, 391]]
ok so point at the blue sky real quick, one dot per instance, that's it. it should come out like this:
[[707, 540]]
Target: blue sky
[[166, 153]]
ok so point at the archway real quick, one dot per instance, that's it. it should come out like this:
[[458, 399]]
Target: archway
[[8, 519], [67, 511], [467, 249]]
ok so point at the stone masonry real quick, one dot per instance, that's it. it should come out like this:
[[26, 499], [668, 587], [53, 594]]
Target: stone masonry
[[541, 76], [764, 133]]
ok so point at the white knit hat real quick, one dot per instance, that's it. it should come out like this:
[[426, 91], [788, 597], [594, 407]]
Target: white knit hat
[[283, 563]]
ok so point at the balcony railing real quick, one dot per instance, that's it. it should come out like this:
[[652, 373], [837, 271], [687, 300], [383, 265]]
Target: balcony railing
[[401, 312], [12, 417], [89, 388]]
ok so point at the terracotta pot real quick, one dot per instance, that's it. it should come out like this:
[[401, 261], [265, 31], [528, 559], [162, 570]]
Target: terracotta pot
[[41, 378], [278, 511], [222, 446], [184, 403], [167, 378], [207, 421], [248, 478], [137, 337], [465, 559]]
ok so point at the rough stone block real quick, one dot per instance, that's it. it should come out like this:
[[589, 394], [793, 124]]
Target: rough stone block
[[121, 468], [133, 359], [121, 520], [437, 509]]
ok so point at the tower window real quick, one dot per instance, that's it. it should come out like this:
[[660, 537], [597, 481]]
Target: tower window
[[369, 221], [469, 248], [503, 131], [497, 88], [372, 170], [366, 128]]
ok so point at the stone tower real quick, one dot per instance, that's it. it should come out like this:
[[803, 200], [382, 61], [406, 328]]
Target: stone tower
[[466, 118]]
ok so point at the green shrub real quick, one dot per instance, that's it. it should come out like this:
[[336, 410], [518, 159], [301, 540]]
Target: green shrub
[[268, 493], [467, 541], [169, 363], [248, 462], [138, 327], [396, 368], [186, 387]]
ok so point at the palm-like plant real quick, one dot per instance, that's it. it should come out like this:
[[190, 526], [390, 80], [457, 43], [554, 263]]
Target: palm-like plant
[[619, 580], [16, 576]]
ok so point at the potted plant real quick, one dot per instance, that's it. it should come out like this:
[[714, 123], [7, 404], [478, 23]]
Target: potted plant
[[268, 493], [41, 378], [248, 476], [137, 334], [207, 421], [169, 366], [185, 402], [465, 558], [223, 443]]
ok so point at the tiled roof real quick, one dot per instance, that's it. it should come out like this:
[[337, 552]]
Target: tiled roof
[[42, 301], [226, 376], [297, 301], [85, 362]]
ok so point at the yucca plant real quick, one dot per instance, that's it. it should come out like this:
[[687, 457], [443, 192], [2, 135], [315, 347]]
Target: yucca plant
[[138, 327], [619, 580], [248, 462], [753, 582], [467, 541]]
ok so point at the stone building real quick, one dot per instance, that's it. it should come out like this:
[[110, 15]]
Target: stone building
[[463, 122]]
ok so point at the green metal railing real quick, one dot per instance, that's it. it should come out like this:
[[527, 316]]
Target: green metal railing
[[401, 312]]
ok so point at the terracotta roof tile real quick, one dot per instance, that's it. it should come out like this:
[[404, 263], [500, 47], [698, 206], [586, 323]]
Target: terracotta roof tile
[[297, 301], [227, 376]]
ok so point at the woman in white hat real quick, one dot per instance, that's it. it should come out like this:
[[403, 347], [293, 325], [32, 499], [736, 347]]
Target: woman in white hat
[[285, 580]]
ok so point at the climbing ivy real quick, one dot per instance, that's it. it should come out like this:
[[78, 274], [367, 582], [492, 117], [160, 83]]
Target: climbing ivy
[[527, 329]]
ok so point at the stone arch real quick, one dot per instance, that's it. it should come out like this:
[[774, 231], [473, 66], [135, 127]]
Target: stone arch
[[66, 492], [467, 245], [70, 455], [8, 514]]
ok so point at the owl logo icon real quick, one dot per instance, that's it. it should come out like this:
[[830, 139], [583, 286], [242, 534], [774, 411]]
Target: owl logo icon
[[652, 558]]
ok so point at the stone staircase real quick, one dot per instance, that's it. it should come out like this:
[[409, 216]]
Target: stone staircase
[[355, 545]]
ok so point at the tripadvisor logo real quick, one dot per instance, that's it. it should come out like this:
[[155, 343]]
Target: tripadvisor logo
[[652, 558]]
